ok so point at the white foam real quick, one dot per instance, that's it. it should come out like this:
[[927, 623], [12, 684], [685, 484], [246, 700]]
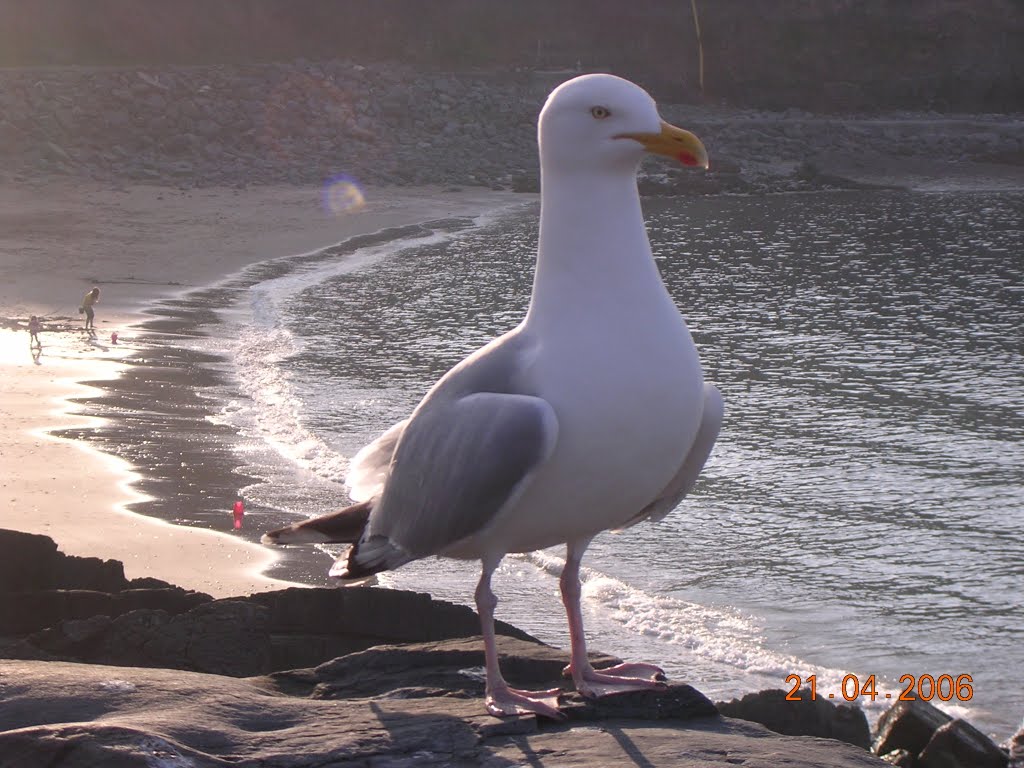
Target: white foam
[[274, 412], [716, 643], [717, 634]]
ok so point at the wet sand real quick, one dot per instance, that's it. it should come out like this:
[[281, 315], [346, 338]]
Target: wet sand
[[144, 245]]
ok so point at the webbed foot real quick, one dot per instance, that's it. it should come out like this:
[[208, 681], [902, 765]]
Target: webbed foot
[[504, 702]]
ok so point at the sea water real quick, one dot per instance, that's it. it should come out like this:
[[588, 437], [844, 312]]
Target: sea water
[[862, 515]]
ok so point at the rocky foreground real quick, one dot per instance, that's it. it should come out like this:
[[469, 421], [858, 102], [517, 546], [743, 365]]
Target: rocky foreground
[[389, 124], [98, 671]]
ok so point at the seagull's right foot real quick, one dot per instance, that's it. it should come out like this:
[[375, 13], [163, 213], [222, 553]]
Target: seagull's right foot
[[505, 702], [623, 678]]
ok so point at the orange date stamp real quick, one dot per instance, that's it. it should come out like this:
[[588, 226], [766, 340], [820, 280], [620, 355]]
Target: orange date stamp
[[915, 687]]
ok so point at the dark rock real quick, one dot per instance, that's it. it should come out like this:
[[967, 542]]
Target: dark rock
[[390, 705], [226, 637], [74, 716], [674, 702], [96, 747], [148, 582], [310, 626], [25, 612], [14, 648], [32, 562], [802, 718], [908, 725], [379, 615], [958, 744], [27, 562], [455, 666], [73, 639], [175, 628]]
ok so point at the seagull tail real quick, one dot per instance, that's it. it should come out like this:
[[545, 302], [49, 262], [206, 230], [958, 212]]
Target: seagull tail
[[342, 527]]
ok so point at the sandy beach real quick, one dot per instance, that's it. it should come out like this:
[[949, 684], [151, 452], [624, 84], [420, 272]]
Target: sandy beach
[[140, 244]]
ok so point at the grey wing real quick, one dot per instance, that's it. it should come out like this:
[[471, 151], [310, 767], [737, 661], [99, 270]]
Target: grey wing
[[684, 480], [458, 463]]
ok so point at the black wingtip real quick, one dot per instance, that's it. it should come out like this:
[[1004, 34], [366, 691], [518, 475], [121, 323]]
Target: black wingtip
[[368, 557]]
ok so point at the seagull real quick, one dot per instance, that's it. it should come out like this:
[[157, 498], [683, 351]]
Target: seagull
[[591, 415]]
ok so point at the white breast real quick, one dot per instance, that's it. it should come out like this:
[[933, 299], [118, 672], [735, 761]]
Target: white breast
[[627, 391]]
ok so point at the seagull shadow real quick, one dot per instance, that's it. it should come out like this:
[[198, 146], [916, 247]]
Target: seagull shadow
[[428, 731], [438, 732], [630, 748]]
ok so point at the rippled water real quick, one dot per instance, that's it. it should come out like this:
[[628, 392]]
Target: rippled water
[[863, 511]]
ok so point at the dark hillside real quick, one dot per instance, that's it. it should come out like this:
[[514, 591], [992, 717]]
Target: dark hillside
[[832, 55]]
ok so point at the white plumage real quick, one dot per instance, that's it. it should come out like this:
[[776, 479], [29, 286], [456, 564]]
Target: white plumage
[[591, 415]]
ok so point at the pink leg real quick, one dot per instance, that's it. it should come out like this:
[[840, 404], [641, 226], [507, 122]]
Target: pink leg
[[501, 700], [592, 683]]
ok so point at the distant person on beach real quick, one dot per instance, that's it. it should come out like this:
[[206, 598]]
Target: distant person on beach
[[34, 327], [90, 299]]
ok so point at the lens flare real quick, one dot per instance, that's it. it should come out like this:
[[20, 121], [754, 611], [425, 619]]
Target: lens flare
[[342, 195]]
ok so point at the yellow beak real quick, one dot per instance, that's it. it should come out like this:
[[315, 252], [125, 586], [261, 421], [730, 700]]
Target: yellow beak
[[673, 142]]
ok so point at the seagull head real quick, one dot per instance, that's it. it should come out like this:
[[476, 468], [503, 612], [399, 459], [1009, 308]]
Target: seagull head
[[604, 122]]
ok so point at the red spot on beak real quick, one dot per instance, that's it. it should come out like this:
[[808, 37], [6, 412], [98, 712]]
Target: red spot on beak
[[687, 159]]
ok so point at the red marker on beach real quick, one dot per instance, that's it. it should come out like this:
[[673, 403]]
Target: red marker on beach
[[239, 513]]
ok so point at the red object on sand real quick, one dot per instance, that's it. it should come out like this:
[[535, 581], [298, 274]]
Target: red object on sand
[[239, 513], [113, 338]]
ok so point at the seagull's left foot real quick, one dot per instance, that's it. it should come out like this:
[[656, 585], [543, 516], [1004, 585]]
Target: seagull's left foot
[[622, 678], [503, 701]]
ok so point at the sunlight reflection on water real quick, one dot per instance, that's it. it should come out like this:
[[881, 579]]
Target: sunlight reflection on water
[[864, 507]]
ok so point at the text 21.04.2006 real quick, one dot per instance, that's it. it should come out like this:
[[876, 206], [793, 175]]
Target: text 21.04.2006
[[923, 687]]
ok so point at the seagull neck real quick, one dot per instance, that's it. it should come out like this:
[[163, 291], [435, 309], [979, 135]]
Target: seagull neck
[[593, 248]]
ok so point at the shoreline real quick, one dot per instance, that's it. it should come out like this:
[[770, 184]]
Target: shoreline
[[216, 562], [66, 241]]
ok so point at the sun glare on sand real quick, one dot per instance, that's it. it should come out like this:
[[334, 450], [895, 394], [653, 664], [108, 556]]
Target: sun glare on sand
[[60, 345], [14, 349]]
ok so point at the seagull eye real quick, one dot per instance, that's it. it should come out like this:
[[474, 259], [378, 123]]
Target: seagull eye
[[600, 113]]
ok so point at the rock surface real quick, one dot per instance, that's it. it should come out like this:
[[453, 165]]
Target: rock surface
[[908, 725], [958, 744], [348, 713], [331, 678], [178, 679], [806, 717], [115, 622], [33, 562], [916, 734]]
